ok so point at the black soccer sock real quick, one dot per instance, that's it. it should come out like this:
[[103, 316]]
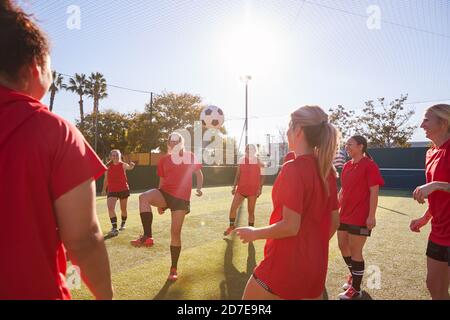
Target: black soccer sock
[[357, 273], [147, 220], [114, 222], [124, 220], [348, 262], [232, 220], [175, 254]]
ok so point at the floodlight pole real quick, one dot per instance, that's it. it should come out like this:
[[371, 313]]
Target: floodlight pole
[[246, 79]]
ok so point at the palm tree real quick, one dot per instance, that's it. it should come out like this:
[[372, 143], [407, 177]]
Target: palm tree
[[78, 85], [57, 84], [97, 90]]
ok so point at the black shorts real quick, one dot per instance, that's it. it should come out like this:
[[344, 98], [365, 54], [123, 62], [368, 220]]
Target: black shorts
[[175, 204], [438, 252], [356, 230], [121, 194]]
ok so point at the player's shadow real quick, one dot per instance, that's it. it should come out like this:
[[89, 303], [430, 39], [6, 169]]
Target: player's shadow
[[162, 294], [234, 284]]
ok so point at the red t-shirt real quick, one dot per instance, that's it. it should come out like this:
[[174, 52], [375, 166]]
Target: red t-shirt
[[177, 173], [117, 179], [42, 157], [250, 176], [438, 169], [296, 267], [356, 179], [290, 156]]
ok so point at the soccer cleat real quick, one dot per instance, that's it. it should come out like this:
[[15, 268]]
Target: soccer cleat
[[122, 227], [173, 275], [229, 230], [348, 284], [142, 241], [350, 294]]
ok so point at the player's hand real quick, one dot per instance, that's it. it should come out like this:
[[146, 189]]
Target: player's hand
[[246, 234], [103, 193], [422, 192], [416, 224], [259, 192], [132, 164], [199, 193], [371, 222]]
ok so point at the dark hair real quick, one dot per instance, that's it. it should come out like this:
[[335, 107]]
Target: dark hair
[[360, 140], [21, 40]]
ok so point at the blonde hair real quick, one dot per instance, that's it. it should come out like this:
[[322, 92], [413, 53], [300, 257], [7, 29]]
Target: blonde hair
[[255, 150], [175, 136], [442, 111], [110, 161], [319, 134]]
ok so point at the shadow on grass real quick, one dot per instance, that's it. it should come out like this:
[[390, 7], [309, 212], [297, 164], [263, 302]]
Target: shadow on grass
[[234, 284], [162, 294]]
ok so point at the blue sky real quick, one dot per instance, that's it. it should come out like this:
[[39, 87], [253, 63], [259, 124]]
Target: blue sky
[[298, 52]]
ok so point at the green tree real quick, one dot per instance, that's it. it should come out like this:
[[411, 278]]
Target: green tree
[[345, 121], [111, 130], [170, 111], [78, 85], [387, 128], [57, 84], [97, 90]]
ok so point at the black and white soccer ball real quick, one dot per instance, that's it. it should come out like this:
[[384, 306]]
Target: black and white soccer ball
[[212, 117]]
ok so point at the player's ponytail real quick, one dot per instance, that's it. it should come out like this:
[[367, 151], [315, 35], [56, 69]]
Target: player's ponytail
[[321, 135]]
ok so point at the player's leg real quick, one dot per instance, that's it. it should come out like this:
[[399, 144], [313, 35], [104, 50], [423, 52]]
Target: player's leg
[[344, 247], [175, 241], [438, 271], [148, 199], [357, 243], [111, 204], [251, 205], [124, 212], [235, 204], [255, 290]]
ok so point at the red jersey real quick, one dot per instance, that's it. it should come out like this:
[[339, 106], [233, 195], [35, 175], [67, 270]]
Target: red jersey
[[356, 180], [117, 178], [42, 157], [290, 156], [296, 267], [250, 176], [438, 169], [178, 174]]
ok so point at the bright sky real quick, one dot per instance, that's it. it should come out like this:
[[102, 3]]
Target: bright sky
[[298, 52]]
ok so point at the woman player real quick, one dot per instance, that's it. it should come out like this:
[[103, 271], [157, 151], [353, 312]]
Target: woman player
[[304, 199], [248, 184], [175, 172], [436, 124], [45, 157], [358, 197], [117, 186]]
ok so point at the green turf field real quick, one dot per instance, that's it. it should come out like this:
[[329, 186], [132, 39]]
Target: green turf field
[[212, 268]]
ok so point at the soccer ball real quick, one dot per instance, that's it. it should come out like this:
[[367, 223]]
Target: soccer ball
[[212, 117]]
